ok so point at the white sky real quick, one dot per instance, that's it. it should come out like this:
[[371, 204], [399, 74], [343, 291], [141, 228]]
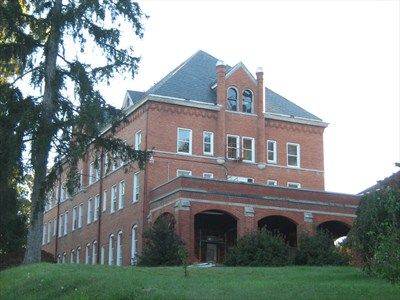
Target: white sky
[[337, 59]]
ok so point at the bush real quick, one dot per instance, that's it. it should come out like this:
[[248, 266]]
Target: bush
[[260, 248], [386, 262], [162, 247], [375, 233], [319, 250]]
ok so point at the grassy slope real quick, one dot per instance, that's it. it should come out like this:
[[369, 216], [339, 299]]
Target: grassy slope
[[50, 281]]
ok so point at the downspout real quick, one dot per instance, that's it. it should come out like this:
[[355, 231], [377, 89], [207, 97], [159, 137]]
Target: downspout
[[100, 207], [58, 216]]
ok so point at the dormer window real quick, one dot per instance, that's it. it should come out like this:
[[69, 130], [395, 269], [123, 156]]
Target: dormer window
[[247, 101], [232, 99]]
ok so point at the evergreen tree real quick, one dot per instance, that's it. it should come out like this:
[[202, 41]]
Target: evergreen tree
[[38, 39], [163, 247]]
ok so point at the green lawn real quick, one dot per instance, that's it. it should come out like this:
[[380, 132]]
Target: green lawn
[[51, 281]]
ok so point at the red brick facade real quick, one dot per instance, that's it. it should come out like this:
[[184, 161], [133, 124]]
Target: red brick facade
[[195, 201]]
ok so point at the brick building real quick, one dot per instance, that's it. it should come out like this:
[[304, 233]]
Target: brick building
[[230, 156]]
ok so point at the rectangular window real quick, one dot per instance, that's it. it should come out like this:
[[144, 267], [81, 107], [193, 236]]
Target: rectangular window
[[87, 254], [208, 175], [94, 253], [233, 147], [121, 202], [113, 199], [66, 223], [138, 140], [80, 179], [104, 200], [272, 182], [115, 162], [183, 173], [97, 171], [106, 164], [96, 207], [54, 226], [136, 187], [102, 255], [89, 211], [44, 233], [208, 143], [294, 185], [293, 155], [184, 141], [248, 149], [271, 152], [48, 232], [60, 225], [80, 215], [91, 173], [74, 219]]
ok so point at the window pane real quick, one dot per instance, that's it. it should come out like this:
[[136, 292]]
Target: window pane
[[292, 149], [232, 99], [247, 101], [292, 160]]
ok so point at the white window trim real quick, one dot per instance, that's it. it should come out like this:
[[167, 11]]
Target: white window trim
[[138, 140], [297, 185], [136, 187], [91, 173], [74, 218], [80, 215], [272, 161], [102, 254], [253, 150], [89, 211], [211, 175], [186, 171], [111, 250], [119, 249], [297, 155], [272, 182], [96, 207], [121, 196], [78, 254], [94, 252], [48, 232], [66, 223], [134, 244], [104, 205], [190, 141], [114, 192], [237, 146], [211, 153], [87, 254]]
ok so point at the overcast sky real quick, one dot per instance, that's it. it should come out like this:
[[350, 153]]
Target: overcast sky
[[337, 59]]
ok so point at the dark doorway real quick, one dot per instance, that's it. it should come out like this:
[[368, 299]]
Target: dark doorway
[[281, 226], [215, 233], [336, 228]]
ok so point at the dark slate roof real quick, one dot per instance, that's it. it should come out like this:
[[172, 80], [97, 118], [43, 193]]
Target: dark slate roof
[[276, 104], [193, 79], [135, 96]]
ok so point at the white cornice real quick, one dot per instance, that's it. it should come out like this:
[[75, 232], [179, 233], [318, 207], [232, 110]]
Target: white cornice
[[292, 119]]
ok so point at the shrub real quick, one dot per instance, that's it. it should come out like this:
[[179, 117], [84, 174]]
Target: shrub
[[260, 248], [375, 233], [162, 247], [386, 262], [319, 250]]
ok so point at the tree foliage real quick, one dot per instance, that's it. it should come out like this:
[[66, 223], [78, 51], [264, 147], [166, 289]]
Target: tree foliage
[[259, 248], [162, 247], [50, 46], [375, 233], [319, 250]]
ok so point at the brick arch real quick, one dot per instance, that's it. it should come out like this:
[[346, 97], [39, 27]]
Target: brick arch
[[335, 227], [236, 213], [281, 225], [296, 218]]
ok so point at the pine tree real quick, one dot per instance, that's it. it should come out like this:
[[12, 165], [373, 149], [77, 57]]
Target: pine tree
[[37, 43]]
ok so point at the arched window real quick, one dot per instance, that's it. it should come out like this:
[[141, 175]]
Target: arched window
[[72, 258], [78, 255], [134, 244], [102, 250], [111, 250], [94, 253], [64, 257], [59, 259], [247, 103], [232, 99], [119, 248], [87, 254]]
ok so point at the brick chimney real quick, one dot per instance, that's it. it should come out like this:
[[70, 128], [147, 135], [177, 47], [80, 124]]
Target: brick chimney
[[221, 101], [221, 86], [260, 104]]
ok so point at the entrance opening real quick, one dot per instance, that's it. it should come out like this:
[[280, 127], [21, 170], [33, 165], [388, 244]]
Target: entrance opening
[[215, 234], [283, 226], [336, 228]]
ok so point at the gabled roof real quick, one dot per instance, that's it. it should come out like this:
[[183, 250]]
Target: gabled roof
[[194, 79]]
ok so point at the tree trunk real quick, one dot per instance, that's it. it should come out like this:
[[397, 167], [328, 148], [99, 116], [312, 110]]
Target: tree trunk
[[42, 138]]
